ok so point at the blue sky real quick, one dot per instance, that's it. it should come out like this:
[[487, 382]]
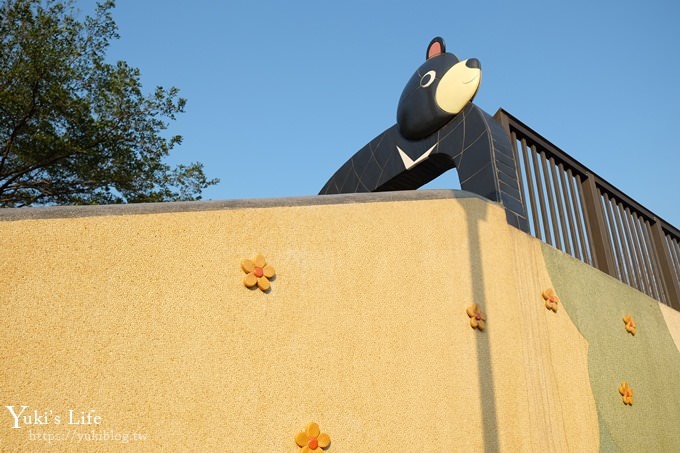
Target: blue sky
[[280, 94]]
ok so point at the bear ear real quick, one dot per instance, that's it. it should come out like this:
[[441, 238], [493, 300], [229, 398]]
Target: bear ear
[[436, 47]]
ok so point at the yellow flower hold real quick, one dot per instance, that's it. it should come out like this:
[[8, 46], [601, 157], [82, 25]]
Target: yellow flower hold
[[626, 393], [312, 439], [551, 299], [477, 317], [258, 272], [631, 327]]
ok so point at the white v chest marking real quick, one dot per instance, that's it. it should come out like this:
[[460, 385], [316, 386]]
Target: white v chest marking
[[408, 162]]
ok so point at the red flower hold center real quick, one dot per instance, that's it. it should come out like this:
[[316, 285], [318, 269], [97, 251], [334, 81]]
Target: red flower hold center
[[313, 443], [478, 316], [258, 272], [552, 299]]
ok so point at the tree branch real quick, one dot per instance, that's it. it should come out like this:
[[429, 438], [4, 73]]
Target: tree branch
[[19, 173], [22, 122]]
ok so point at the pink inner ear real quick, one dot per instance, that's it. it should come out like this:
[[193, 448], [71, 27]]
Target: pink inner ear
[[434, 50]]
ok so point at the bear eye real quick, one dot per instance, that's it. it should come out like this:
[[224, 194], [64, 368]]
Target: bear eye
[[427, 79]]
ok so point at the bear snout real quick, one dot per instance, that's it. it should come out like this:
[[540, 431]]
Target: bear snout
[[473, 63]]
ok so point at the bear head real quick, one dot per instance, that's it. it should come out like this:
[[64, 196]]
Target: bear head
[[438, 91]]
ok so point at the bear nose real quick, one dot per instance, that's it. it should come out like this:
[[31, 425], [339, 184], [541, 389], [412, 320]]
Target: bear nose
[[473, 63]]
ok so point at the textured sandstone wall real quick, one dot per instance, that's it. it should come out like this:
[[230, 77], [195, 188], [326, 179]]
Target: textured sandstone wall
[[140, 317]]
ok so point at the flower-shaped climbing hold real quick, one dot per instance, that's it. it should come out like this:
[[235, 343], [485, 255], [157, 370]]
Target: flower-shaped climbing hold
[[258, 272], [477, 317], [551, 299], [627, 393], [630, 324], [311, 439]]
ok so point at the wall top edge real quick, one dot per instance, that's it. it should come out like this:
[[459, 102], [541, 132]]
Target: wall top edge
[[60, 212]]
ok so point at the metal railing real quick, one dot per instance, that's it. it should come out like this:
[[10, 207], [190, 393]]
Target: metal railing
[[573, 209]]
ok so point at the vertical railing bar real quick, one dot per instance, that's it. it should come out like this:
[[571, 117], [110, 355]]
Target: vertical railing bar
[[637, 223], [649, 242], [618, 254], [656, 269], [610, 234], [622, 241], [590, 251], [658, 285], [676, 247], [675, 254], [561, 212], [644, 263], [634, 266], [674, 259], [667, 278], [651, 249], [654, 264], [637, 271], [539, 183], [657, 278], [556, 205], [515, 155], [670, 245], [602, 244], [560, 226], [568, 190], [625, 246], [569, 214], [551, 201], [645, 256], [532, 196], [577, 212]]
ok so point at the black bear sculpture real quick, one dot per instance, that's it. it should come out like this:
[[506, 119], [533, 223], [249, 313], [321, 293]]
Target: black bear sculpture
[[438, 128]]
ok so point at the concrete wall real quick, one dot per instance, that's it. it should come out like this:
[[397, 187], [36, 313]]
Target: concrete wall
[[138, 315], [649, 361]]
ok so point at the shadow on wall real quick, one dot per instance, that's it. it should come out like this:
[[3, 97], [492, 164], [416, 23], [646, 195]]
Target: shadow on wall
[[487, 396]]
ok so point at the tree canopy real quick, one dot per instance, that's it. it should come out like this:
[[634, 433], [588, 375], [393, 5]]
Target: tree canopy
[[74, 128]]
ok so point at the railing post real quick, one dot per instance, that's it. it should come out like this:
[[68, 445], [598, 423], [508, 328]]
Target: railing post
[[670, 283], [603, 259]]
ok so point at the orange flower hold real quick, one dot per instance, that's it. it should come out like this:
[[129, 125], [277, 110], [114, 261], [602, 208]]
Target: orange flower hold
[[312, 439], [477, 317], [627, 393], [630, 324], [551, 299], [258, 272]]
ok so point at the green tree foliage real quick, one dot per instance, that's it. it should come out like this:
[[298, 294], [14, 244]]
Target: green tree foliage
[[75, 129]]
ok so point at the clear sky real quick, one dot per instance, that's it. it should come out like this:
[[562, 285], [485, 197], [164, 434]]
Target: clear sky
[[281, 93]]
